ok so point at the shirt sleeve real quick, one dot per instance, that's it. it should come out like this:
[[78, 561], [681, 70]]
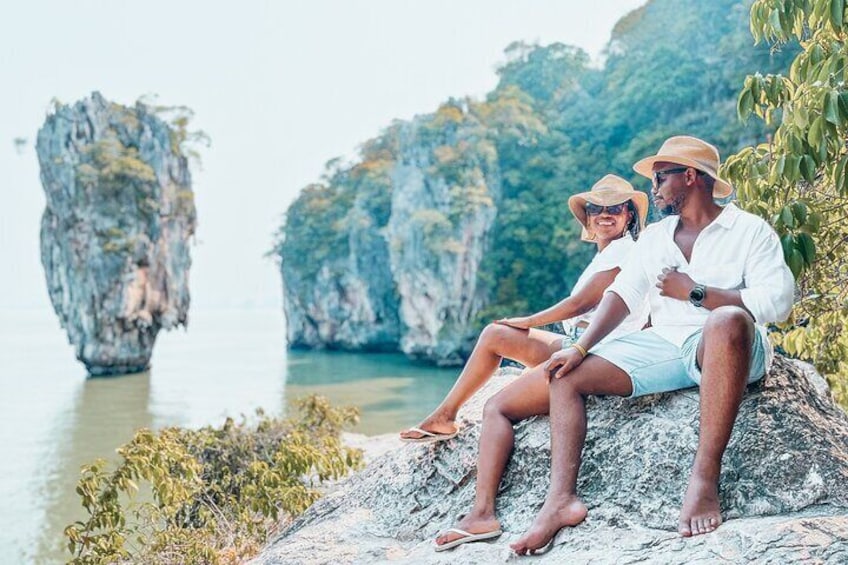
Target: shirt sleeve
[[615, 254], [769, 285], [632, 283]]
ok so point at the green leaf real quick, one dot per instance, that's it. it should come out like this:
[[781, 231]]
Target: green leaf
[[839, 174], [799, 210], [807, 247], [831, 107], [745, 104], [786, 217], [814, 136], [808, 168], [837, 10], [777, 170], [801, 117], [795, 262], [814, 222]]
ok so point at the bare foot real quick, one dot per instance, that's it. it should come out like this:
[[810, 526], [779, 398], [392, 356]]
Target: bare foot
[[700, 512], [551, 519], [435, 423], [473, 524]]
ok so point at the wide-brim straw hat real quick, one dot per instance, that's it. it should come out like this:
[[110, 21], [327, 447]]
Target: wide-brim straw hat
[[608, 191], [689, 152]]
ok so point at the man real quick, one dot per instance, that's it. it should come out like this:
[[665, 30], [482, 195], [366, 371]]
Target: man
[[714, 276]]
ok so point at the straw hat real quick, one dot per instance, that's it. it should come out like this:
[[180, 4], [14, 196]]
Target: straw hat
[[608, 191], [690, 152]]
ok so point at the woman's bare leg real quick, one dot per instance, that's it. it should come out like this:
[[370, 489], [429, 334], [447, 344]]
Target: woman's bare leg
[[496, 341], [526, 396]]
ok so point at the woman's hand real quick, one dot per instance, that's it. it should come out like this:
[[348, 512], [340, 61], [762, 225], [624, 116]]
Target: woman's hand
[[521, 322], [562, 362]]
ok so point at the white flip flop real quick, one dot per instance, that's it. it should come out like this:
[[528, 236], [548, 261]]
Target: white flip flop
[[467, 537], [427, 437]]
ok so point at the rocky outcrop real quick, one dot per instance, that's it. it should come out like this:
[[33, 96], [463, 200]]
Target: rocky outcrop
[[115, 231], [784, 486], [443, 206], [404, 241]]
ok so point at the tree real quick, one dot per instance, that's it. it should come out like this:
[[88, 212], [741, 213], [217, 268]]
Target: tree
[[798, 180]]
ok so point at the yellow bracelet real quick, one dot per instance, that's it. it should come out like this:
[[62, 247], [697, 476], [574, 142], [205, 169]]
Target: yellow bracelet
[[580, 349]]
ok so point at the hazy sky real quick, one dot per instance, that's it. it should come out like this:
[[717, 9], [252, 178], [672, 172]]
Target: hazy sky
[[281, 87]]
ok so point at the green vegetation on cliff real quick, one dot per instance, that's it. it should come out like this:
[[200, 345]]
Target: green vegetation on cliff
[[551, 127], [554, 124]]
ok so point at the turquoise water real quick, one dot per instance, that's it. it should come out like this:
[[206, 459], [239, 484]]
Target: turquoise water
[[53, 419]]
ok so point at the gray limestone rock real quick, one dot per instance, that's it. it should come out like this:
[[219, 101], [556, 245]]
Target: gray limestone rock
[[438, 233], [784, 487], [115, 231], [398, 267]]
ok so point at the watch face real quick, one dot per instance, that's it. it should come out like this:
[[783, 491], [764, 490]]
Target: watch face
[[696, 295]]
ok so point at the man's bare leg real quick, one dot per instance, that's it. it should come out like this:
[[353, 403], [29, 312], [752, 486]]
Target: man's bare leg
[[562, 506], [496, 341], [724, 355], [525, 397]]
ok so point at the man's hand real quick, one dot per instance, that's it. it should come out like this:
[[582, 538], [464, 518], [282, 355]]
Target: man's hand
[[561, 362], [521, 322], [674, 284]]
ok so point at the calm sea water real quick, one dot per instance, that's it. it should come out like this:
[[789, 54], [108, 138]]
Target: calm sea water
[[53, 419]]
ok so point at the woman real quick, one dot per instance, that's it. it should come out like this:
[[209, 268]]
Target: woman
[[611, 213]]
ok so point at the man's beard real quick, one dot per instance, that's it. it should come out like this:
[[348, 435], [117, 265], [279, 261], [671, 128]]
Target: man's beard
[[673, 207]]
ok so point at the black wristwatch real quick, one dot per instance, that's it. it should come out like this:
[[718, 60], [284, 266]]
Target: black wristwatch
[[698, 294]]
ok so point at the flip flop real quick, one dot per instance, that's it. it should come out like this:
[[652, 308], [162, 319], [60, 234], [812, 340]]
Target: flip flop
[[467, 537], [427, 437]]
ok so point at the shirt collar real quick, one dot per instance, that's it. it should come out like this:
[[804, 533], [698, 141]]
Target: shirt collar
[[726, 218]]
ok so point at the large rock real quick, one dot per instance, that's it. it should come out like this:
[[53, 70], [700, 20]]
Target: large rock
[[115, 231], [386, 255], [784, 486]]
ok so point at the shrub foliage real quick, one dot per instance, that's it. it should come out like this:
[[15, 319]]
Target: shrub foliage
[[211, 495], [798, 180]]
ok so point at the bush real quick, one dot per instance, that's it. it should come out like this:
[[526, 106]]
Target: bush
[[212, 495]]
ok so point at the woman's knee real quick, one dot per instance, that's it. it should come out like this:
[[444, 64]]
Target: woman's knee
[[491, 334]]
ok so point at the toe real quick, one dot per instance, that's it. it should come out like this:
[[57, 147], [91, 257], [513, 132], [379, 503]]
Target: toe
[[684, 529]]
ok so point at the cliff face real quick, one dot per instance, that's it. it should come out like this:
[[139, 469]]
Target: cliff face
[[784, 486], [443, 206], [402, 244], [385, 253], [115, 231]]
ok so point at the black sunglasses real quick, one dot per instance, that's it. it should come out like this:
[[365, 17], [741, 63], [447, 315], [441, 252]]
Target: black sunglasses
[[616, 209], [659, 176]]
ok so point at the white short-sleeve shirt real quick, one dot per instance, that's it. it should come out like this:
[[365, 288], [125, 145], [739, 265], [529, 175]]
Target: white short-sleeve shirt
[[613, 256]]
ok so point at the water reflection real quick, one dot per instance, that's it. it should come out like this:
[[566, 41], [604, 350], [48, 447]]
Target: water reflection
[[391, 392], [106, 413], [53, 419]]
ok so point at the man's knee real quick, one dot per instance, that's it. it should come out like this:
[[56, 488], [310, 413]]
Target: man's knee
[[493, 408], [568, 386], [730, 323]]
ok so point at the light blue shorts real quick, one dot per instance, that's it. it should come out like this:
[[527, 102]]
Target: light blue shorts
[[657, 365]]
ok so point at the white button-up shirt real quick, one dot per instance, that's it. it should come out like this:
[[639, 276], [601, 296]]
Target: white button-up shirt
[[614, 256], [736, 251]]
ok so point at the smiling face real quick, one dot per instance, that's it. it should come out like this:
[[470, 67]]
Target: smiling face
[[609, 222]]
